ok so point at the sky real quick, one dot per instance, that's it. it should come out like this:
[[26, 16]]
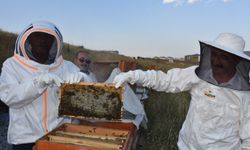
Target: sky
[[145, 28]]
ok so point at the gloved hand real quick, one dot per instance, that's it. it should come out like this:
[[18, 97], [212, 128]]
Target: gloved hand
[[122, 78], [75, 78], [46, 80]]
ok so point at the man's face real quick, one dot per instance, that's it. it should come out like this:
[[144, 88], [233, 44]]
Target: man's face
[[223, 63], [40, 45], [83, 61]]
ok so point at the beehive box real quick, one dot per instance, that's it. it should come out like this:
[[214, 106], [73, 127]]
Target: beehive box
[[89, 137], [95, 101]]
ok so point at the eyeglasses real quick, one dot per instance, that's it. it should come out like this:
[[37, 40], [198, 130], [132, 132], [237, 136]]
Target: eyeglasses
[[82, 60]]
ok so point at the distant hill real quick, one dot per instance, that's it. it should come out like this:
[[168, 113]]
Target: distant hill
[[7, 45]]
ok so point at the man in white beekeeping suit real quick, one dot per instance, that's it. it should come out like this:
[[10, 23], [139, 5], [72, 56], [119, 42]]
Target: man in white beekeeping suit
[[219, 114], [29, 84]]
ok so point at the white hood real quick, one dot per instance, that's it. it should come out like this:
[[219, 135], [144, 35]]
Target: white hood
[[243, 67], [22, 47]]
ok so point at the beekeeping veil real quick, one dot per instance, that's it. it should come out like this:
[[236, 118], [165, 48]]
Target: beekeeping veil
[[23, 47], [232, 44]]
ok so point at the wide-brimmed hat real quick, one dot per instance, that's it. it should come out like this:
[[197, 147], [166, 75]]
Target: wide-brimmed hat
[[229, 42]]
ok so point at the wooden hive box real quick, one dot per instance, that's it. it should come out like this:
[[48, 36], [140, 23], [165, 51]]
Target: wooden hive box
[[96, 101]]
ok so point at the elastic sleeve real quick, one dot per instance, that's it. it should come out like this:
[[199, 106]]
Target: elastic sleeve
[[175, 80]]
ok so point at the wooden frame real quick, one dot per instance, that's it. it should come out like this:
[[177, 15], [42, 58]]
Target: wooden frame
[[91, 101]]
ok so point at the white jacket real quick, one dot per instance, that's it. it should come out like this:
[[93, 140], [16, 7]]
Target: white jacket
[[218, 117], [33, 111]]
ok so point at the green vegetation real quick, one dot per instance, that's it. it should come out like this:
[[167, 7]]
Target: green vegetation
[[166, 113], [158, 64]]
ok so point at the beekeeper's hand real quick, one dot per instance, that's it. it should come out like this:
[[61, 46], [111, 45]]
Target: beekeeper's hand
[[45, 80], [76, 78], [122, 78]]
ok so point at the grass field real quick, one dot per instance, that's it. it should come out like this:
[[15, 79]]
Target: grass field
[[166, 113]]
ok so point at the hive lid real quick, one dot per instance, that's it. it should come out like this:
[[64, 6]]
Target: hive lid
[[91, 101]]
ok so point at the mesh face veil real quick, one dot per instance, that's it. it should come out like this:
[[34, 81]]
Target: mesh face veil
[[23, 47], [230, 44]]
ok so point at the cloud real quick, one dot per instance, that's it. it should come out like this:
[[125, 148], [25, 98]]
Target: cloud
[[171, 1], [192, 1], [176, 2], [179, 2]]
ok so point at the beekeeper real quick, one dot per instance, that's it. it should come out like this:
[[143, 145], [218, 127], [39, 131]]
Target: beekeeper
[[219, 114], [30, 81]]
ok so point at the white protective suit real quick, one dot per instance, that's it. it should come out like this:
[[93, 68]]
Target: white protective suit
[[219, 115], [33, 109], [131, 103]]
